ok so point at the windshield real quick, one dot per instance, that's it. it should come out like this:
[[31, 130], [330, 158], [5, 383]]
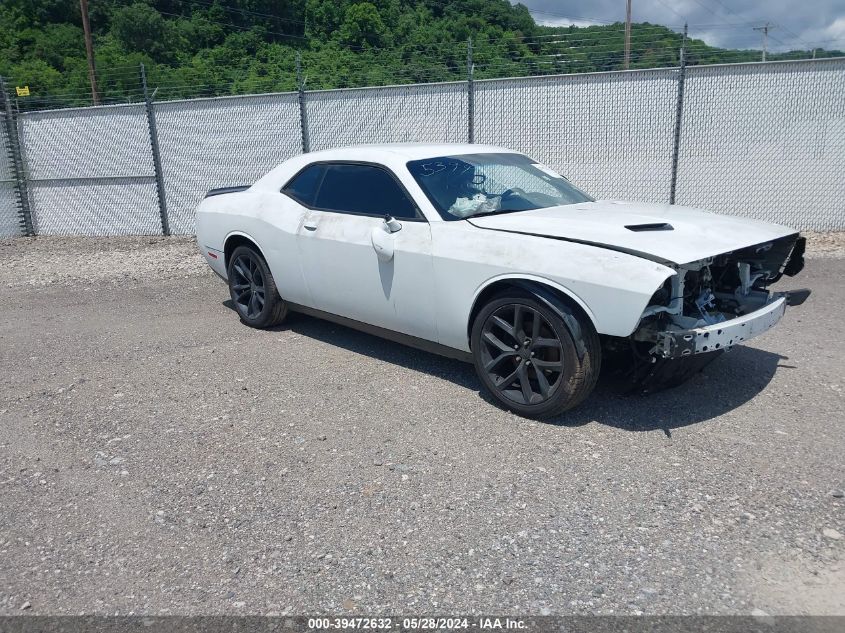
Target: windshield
[[481, 184]]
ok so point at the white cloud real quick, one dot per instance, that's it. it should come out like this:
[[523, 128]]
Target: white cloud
[[539, 19], [726, 23]]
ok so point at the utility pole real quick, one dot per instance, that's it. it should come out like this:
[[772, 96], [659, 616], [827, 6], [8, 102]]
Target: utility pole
[[303, 110], [628, 35], [765, 30], [89, 50], [679, 113], [153, 130], [470, 94]]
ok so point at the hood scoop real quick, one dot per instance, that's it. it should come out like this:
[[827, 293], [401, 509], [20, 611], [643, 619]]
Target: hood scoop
[[659, 226]]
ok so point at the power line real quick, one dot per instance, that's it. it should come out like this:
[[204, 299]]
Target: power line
[[569, 17], [89, 51], [683, 17]]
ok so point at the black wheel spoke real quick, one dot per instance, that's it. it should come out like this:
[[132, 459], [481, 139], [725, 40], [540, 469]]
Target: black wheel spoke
[[546, 342], [525, 383], [542, 382], [494, 340], [535, 327], [518, 323], [491, 365], [504, 326], [555, 365], [243, 270], [240, 287]]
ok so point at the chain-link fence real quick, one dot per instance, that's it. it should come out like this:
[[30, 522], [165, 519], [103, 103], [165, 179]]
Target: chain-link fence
[[766, 141], [760, 140], [90, 171], [9, 223], [209, 143], [610, 133], [433, 113]]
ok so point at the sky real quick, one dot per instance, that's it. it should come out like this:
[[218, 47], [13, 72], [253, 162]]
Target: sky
[[726, 23]]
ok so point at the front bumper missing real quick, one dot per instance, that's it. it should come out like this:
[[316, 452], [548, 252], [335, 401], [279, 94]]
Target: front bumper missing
[[720, 336]]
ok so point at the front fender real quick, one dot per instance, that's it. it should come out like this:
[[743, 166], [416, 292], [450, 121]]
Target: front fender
[[611, 288]]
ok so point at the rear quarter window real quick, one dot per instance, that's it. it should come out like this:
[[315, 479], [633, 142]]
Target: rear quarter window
[[303, 187]]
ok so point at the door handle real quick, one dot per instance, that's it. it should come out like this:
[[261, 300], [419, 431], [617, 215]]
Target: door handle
[[311, 225]]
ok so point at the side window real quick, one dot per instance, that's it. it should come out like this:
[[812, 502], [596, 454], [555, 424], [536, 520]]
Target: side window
[[303, 187], [363, 189]]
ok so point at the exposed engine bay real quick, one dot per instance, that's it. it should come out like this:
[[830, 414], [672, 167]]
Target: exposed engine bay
[[713, 304], [720, 289], [728, 285]]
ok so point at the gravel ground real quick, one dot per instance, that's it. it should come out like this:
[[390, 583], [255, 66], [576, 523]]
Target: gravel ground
[[159, 457]]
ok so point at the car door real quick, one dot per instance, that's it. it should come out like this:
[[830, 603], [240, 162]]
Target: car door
[[359, 266], [277, 231]]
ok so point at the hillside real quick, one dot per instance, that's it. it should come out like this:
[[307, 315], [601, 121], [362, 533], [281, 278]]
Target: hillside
[[207, 47]]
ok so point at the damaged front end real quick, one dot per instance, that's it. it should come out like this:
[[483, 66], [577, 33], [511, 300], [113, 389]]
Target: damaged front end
[[709, 306]]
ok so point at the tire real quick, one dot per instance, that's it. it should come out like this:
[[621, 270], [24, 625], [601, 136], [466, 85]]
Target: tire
[[253, 289], [514, 334]]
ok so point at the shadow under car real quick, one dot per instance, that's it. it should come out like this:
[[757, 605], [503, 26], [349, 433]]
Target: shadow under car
[[723, 385]]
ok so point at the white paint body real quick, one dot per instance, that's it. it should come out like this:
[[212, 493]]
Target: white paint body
[[423, 279]]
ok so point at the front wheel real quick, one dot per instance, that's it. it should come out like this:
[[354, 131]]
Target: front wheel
[[530, 359], [253, 289]]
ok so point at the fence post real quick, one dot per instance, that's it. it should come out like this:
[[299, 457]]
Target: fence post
[[679, 110], [470, 95], [303, 113], [18, 167], [151, 124]]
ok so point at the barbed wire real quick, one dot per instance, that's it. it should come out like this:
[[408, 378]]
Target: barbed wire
[[517, 55]]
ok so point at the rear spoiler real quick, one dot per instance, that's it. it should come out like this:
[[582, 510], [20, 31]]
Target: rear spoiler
[[222, 190]]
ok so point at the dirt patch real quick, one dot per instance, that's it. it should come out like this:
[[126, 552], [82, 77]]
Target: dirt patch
[[798, 587]]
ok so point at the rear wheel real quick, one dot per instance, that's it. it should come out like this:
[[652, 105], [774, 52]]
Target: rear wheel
[[532, 361], [253, 289]]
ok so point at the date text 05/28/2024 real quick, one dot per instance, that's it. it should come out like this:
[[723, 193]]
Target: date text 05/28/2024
[[417, 624]]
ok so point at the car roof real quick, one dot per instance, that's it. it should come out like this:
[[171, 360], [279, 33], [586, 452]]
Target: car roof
[[406, 151], [392, 155]]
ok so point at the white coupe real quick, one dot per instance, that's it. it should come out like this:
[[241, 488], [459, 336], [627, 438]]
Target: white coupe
[[481, 253]]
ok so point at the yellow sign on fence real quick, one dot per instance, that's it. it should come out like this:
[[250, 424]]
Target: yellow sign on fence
[[22, 92]]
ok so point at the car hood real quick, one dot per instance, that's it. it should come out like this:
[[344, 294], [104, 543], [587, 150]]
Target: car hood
[[664, 233]]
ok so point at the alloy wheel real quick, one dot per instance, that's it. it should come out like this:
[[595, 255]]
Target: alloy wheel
[[248, 288], [521, 354]]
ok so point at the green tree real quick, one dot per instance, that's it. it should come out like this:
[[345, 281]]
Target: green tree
[[139, 27], [362, 26], [212, 47]]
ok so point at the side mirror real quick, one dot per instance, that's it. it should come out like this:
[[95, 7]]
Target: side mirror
[[392, 224]]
